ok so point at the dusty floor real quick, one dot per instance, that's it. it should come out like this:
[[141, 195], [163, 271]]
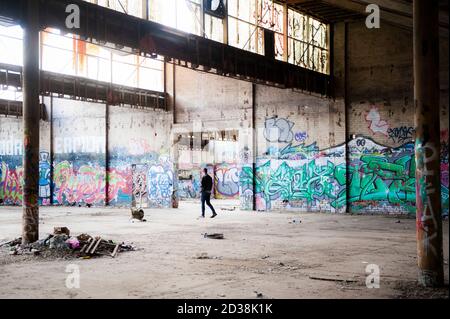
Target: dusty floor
[[261, 252]]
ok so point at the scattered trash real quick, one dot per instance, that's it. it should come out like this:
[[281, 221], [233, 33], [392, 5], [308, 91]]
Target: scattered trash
[[332, 279], [398, 222], [281, 264], [265, 257], [61, 230], [202, 256], [137, 214], [229, 209], [258, 294], [222, 295], [82, 246], [58, 242], [73, 243], [13, 242], [213, 236], [295, 221]]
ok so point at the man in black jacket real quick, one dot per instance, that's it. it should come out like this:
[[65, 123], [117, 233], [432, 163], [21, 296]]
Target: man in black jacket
[[207, 184]]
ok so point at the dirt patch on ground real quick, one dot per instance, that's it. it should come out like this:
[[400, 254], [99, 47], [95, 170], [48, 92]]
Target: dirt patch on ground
[[412, 290]]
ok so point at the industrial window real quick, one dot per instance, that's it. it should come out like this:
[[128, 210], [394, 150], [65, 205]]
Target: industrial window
[[131, 7], [185, 15], [243, 29], [214, 28], [68, 55], [248, 18], [307, 42], [11, 45]]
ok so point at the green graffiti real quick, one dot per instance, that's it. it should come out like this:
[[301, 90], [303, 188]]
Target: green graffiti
[[379, 178], [300, 151]]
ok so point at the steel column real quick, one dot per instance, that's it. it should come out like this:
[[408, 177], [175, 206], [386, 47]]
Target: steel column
[[31, 111], [427, 150]]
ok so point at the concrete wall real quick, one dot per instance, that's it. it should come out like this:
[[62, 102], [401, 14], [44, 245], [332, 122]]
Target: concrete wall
[[300, 151], [80, 159], [381, 119]]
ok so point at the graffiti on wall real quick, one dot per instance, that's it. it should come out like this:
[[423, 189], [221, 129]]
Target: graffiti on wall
[[381, 179], [80, 144], [278, 130], [44, 178], [301, 136], [11, 190], [401, 134], [160, 179], [376, 124], [444, 170], [312, 184], [189, 188], [139, 193], [11, 147], [11, 179], [226, 181]]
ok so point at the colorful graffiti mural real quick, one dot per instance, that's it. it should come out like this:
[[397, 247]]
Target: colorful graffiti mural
[[226, 180], [160, 179], [44, 179], [381, 179], [189, 188], [11, 179]]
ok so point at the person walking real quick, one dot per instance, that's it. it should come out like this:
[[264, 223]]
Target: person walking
[[206, 189]]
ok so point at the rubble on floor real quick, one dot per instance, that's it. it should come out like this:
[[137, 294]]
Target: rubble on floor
[[61, 244], [213, 236]]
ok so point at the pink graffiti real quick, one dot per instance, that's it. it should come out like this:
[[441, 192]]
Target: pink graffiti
[[377, 125], [87, 184], [11, 181], [138, 147]]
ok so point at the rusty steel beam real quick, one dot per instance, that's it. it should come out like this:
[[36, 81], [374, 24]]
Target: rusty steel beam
[[15, 108], [111, 28], [84, 89], [31, 110], [427, 150]]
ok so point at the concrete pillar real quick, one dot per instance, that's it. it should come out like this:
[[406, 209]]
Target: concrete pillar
[[427, 150], [30, 203]]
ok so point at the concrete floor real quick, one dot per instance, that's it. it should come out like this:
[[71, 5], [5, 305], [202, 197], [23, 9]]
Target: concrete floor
[[261, 252]]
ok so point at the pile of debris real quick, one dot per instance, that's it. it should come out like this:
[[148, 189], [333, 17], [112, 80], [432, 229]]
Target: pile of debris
[[61, 243]]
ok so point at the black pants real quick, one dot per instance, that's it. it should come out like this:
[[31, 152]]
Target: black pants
[[206, 197]]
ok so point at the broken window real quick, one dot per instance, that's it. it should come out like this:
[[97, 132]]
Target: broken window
[[185, 15], [243, 29], [214, 28], [11, 45], [247, 20], [307, 42]]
